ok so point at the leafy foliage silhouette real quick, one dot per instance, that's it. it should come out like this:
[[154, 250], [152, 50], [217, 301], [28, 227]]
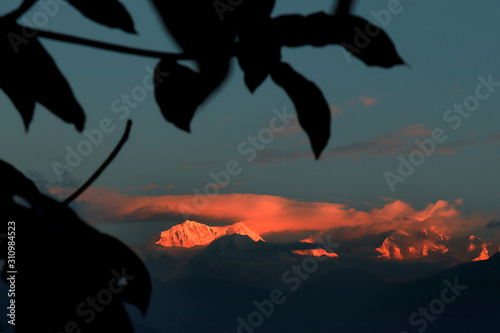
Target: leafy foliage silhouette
[[65, 261], [29, 75]]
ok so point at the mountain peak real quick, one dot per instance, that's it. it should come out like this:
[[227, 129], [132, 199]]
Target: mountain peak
[[191, 233], [401, 245]]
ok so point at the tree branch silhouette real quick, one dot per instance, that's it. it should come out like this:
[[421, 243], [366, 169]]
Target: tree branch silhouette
[[98, 172], [111, 47]]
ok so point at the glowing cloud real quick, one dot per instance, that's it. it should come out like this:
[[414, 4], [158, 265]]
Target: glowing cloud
[[267, 214], [368, 101]]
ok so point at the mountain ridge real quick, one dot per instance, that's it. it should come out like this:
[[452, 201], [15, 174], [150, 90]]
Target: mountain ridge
[[191, 233]]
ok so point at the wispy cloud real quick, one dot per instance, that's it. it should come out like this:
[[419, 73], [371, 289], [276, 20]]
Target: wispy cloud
[[493, 138], [335, 110], [368, 101], [265, 213], [364, 100], [416, 130], [150, 187], [399, 141]]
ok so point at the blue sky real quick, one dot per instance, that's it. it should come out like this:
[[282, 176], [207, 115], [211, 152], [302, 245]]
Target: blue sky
[[448, 45]]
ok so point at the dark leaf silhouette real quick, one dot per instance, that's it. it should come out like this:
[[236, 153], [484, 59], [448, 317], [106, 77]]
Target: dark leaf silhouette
[[343, 7], [257, 50], [69, 265], [368, 42], [257, 57], [28, 75], [318, 29], [201, 33], [110, 13], [197, 28], [179, 91], [364, 40], [75, 278], [312, 108], [257, 54]]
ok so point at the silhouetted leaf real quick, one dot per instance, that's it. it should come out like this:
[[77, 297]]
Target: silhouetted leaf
[[364, 40], [312, 108], [197, 27], [179, 91], [68, 266], [28, 75], [343, 7], [110, 13], [368, 42], [256, 50], [201, 33], [318, 29], [257, 56], [122, 259]]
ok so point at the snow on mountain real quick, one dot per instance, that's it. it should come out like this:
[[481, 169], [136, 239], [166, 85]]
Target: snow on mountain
[[477, 243], [400, 245], [190, 233], [314, 252]]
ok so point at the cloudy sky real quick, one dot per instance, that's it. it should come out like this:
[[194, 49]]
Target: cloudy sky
[[448, 95]]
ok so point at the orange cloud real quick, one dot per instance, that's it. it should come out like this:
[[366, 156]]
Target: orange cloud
[[368, 101], [267, 214], [150, 187], [169, 187], [418, 130], [335, 110], [290, 130]]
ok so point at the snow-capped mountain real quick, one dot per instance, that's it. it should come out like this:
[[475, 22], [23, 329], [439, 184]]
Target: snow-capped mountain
[[314, 252], [428, 244], [486, 250], [190, 233]]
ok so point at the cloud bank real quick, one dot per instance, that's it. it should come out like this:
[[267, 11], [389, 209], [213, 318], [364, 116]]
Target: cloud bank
[[272, 214]]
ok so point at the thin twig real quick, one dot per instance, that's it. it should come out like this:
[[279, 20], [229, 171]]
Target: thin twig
[[103, 166], [110, 47]]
